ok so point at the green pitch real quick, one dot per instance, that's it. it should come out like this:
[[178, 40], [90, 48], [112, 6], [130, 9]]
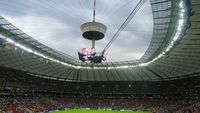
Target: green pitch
[[95, 111]]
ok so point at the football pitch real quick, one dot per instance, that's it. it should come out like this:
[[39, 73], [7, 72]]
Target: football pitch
[[96, 111]]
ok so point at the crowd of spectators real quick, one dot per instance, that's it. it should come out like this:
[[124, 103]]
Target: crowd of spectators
[[46, 104], [11, 105], [27, 93]]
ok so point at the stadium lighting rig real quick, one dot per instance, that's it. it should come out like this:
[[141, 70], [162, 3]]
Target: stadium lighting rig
[[95, 31], [92, 31]]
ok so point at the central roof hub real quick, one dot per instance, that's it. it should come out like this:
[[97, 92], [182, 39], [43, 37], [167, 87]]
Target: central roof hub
[[93, 30]]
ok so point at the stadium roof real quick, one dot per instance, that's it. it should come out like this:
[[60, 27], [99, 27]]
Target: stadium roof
[[57, 24], [173, 51]]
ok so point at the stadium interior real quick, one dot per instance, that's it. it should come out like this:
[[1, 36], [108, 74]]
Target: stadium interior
[[166, 79]]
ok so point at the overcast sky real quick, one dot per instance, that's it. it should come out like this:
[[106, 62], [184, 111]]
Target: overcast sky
[[56, 23]]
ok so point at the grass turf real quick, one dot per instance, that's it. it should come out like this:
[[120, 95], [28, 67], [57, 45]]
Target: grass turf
[[95, 111]]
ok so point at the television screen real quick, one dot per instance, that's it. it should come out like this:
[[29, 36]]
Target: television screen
[[89, 54]]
